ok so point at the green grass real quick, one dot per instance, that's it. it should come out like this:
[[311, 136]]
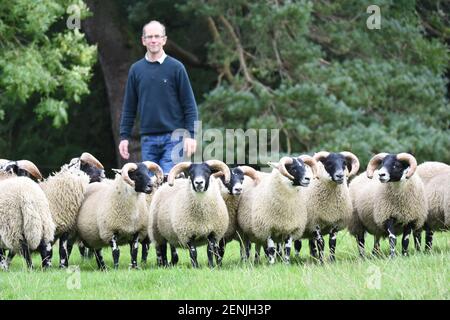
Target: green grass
[[419, 276]]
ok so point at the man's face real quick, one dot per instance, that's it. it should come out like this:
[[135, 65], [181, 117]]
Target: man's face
[[154, 38]]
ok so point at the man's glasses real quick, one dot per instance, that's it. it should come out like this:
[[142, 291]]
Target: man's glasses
[[156, 37]]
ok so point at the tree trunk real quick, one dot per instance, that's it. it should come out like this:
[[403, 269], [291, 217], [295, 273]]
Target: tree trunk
[[106, 28]]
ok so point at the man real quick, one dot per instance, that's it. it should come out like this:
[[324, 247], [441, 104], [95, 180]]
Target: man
[[158, 88]]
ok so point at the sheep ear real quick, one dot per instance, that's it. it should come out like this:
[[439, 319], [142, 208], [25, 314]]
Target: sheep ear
[[118, 171], [273, 165]]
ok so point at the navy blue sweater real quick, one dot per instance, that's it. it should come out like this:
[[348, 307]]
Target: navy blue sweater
[[163, 97]]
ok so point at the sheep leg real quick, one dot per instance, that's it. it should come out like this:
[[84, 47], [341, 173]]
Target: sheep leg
[[405, 240], [161, 255], [43, 249], [115, 251], [211, 249], [99, 259], [320, 243], [360, 239], [271, 250], [70, 243], [332, 244], [145, 247], [312, 248], [3, 264], [221, 249], [287, 250], [428, 237], [11, 255], [134, 249], [297, 247], [173, 255], [63, 253], [82, 249], [245, 246], [417, 239], [376, 246], [279, 251], [392, 237], [25, 251], [257, 253], [193, 253]]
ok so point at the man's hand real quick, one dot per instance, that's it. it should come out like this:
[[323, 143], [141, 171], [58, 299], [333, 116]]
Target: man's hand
[[190, 145], [123, 149]]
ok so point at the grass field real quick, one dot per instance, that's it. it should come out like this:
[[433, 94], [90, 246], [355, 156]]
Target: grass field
[[419, 276]]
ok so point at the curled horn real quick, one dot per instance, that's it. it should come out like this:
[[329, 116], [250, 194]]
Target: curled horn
[[282, 167], [156, 169], [374, 163], [310, 161], [89, 158], [319, 156], [125, 169], [412, 163], [250, 172], [30, 167], [219, 165], [178, 168], [354, 162], [217, 174]]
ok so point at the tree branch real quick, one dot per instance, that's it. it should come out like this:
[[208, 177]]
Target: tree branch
[[239, 48], [225, 69]]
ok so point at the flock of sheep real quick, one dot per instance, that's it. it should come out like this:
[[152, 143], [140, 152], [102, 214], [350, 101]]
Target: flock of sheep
[[303, 197]]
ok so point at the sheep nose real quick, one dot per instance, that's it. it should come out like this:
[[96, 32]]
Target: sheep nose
[[382, 175], [339, 176], [307, 179], [198, 182], [238, 189]]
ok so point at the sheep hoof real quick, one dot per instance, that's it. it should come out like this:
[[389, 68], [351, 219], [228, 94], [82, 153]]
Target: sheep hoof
[[133, 267], [4, 266]]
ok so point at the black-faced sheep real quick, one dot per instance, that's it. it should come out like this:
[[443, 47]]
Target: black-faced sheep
[[328, 199], [275, 211], [111, 209], [392, 203], [190, 212]]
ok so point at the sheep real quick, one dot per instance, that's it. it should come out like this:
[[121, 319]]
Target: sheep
[[190, 212], [65, 192], [435, 176], [144, 212], [231, 194], [25, 219], [430, 169], [110, 212], [328, 199], [275, 209], [394, 204]]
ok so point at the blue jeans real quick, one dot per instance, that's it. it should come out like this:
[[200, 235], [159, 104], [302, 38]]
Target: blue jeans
[[158, 148]]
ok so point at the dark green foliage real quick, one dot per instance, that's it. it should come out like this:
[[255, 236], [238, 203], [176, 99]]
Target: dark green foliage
[[314, 70]]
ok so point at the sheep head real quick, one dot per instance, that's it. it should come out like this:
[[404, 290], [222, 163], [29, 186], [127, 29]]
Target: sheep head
[[393, 167], [199, 173], [294, 169], [156, 169], [137, 176], [237, 178], [30, 168], [335, 164], [92, 167]]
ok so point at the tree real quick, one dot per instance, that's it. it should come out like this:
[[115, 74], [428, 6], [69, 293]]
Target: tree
[[315, 71], [41, 59]]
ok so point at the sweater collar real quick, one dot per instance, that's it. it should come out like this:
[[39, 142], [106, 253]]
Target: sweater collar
[[160, 60]]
